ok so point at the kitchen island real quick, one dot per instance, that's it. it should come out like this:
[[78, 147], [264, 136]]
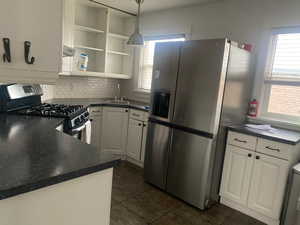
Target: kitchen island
[[48, 177]]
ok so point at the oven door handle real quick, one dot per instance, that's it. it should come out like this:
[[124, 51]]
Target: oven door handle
[[79, 128]]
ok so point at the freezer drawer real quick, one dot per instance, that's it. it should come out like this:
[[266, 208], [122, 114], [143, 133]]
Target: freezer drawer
[[156, 158], [188, 171]]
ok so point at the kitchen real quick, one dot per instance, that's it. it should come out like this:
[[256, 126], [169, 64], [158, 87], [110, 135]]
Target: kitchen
[[107, 83]]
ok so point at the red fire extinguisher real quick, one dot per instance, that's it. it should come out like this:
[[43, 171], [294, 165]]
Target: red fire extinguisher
[[253, 108]]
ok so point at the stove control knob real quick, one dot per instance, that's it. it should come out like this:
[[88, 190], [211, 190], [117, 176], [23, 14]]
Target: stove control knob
[[77, 121]]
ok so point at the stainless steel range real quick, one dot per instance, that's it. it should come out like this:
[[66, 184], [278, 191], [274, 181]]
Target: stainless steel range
[[25, 99]]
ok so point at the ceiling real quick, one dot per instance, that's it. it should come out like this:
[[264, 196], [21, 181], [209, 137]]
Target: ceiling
[[152, 5]]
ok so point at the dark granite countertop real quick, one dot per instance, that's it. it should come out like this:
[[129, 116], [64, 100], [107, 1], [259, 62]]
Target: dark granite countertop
[[33, 154], [279, 135], [100, 102]]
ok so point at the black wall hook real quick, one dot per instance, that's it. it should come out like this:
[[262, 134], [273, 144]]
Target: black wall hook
[[6, 45], [27, 45]]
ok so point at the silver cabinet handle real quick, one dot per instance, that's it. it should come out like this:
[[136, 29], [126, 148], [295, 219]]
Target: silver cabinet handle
[[273, 149], [238, 140]]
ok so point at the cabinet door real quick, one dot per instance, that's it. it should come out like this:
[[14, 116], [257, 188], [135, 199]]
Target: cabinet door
[[114, 130], [268, 185], [96, 131], [236, 174], [145, 131], [134, 139], [37, 21]]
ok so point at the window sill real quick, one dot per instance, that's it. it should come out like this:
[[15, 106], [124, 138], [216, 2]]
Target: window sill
[[275, 122]]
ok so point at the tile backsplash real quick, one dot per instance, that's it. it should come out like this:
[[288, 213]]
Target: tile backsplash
[[76, 87]]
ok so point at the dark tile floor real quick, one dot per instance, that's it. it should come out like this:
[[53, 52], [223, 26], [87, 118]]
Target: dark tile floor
[[136, 203]]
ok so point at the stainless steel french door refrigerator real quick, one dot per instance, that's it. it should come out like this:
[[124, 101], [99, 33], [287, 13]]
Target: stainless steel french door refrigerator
[[197, 88]]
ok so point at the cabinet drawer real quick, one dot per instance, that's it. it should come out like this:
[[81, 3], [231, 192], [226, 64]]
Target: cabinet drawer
[[138, 115], [242, 140], [116, 109], [95, 111], [273, 148]]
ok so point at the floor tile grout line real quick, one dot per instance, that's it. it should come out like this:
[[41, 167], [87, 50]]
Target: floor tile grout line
[[130, 210], [166, 213]]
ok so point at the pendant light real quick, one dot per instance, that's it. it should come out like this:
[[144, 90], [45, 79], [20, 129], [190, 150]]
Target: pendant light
[[137, 38]]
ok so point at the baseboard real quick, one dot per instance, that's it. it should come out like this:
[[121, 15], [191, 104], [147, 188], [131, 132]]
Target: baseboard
[[265, 219]]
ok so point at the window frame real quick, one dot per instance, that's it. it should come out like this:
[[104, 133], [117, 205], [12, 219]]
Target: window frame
[[270, 80], [141, 58]]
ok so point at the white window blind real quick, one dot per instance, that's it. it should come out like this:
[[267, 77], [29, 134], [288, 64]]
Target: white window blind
[[286, 59], [282, 83], [147, 58]]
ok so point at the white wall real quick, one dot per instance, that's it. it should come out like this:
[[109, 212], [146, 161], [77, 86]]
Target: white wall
[[240, 20]]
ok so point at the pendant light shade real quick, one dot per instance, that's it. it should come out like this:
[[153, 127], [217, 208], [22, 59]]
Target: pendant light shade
[[137, 38]]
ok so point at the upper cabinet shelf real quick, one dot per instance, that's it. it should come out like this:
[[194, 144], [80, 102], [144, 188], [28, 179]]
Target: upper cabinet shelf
[[102, 34], [88, 29], [118, 53], [89, 15], [120, 36], [89, 48]]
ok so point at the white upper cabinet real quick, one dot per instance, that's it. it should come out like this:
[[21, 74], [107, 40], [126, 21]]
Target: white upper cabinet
[[268, 185], [40, 23], [100, 33], [119, 58]]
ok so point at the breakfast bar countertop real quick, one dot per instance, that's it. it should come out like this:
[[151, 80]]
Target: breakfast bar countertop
[[33, 155]]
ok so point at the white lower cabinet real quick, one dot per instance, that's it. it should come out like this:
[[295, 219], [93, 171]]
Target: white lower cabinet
[[255, 183], [237, 174], [134, 139], [96, 126], [268, 185], [114, 130], [63, 203]]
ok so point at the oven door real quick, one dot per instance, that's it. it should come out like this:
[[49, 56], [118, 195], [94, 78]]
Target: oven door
[[83, 132]]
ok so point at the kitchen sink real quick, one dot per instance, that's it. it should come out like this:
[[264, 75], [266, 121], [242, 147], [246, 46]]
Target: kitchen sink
[[117, 102]]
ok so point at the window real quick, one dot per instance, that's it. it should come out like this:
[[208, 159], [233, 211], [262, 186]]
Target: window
[[282, 81], [147, 57]]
